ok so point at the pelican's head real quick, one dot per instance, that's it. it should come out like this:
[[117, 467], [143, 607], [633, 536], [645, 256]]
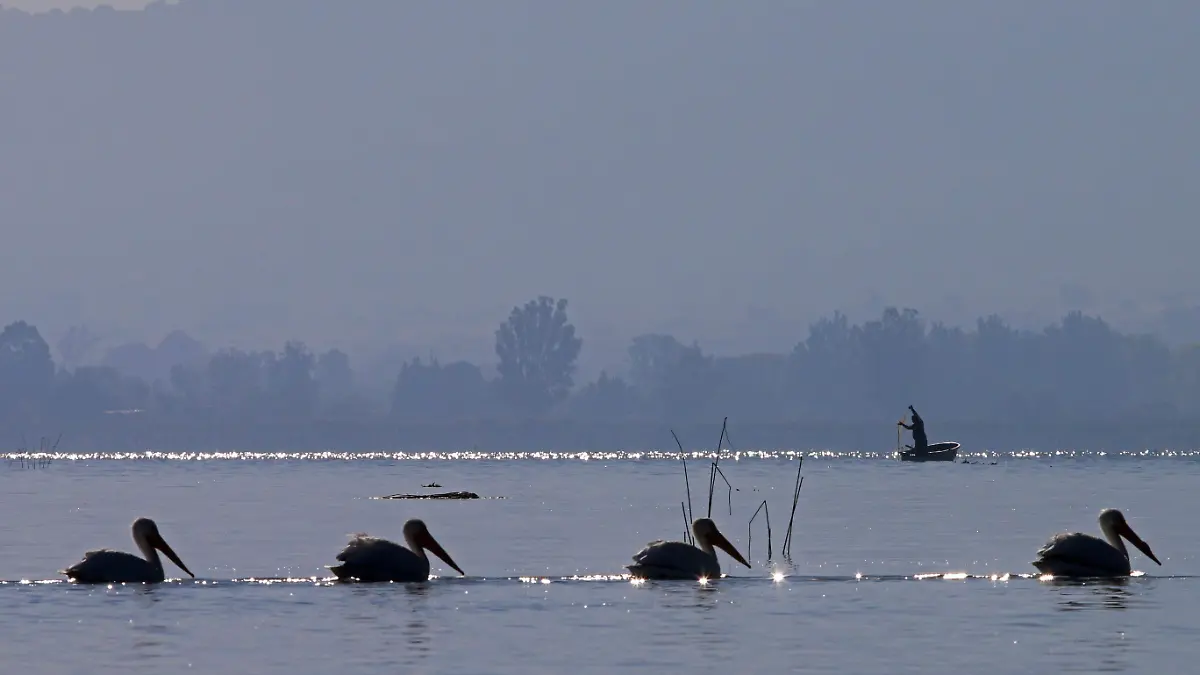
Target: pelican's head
[[1114, 521], [706, 532], [145, 533], [417, 534]]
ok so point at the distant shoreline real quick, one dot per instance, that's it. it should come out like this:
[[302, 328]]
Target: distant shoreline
[[131, 434]]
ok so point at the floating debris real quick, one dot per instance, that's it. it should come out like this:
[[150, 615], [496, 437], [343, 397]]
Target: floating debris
[[438, 495]]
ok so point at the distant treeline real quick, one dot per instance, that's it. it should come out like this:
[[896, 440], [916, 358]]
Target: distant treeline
[[1076, 371]]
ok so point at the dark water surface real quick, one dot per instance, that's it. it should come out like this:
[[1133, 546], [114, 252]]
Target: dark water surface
[[544, 552]]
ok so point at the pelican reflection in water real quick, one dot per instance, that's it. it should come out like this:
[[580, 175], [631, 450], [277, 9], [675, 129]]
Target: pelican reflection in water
[[1081, 555], [677, 560], [105, 566], [368, 558]]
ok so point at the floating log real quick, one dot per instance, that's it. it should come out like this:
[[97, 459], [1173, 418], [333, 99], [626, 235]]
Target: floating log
[[438, 495]]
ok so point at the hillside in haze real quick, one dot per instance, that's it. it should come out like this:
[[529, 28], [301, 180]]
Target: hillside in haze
[[378, 173]]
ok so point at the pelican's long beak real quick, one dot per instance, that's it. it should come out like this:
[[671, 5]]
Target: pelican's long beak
[[722, 543], [436, 549], [161, 544], [1142, 546]]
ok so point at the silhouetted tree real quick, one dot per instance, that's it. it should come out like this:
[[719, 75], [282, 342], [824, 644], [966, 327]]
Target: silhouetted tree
[[334, 375], [177, 348], [1149, 375], [947, 363], [26, 369], [537, 347], [1077, 369], [93, 390], [75, 345], [679, 382], [690, 387], [749, 387], [155, 363], [828, 370], [189, 390], [431, 391], [652, 358], [894, 355], [608, 398], [132, 358], [237, 383], [1184, 386], [291, 387]]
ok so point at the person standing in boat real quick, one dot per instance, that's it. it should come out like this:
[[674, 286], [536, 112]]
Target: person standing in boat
[[920, 440]]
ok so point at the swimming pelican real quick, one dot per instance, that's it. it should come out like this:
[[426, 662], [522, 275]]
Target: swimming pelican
[[105, 566], [677, 560], [1081, 555], [369, 558]]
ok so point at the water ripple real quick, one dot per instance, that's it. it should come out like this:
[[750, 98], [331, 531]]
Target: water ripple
[[624, 578]]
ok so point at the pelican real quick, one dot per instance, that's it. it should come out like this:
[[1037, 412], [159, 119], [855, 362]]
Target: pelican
[[1076, 554], [368, 558], [105, 566], [677, 560]]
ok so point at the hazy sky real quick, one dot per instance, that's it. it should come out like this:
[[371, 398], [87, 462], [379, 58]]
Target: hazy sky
[[47, 5], [376, 171]]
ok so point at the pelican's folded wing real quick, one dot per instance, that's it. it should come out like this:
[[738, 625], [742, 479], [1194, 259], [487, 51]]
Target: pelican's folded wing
[[104, 564], [361, 546], [646, 550], [663, 556], [373, 552], [1082, 549]]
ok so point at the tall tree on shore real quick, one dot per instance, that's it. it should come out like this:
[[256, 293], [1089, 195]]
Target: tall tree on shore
[[538, 348], [26, 368]]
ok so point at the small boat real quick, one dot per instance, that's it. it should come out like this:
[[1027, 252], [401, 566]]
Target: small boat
[[945, 451]]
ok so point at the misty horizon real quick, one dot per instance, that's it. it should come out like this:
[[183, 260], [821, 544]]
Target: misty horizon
[[728, 175]]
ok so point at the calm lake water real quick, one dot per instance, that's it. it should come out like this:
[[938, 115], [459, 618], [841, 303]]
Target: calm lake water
[[543, 550]]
